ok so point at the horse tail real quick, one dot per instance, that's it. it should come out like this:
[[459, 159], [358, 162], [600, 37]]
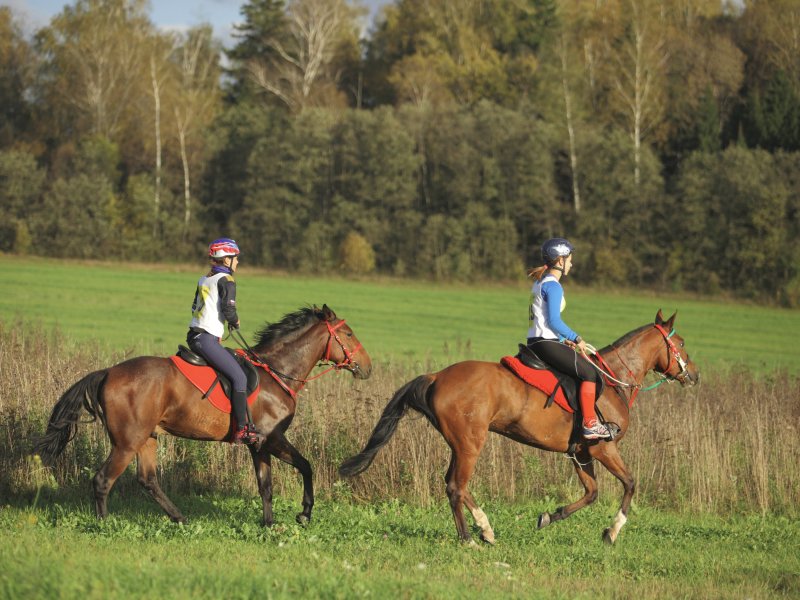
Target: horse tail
[[64, 420], [415, 394]]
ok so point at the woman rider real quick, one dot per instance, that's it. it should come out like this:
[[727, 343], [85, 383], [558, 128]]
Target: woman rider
[[214, 305], [551, 339]]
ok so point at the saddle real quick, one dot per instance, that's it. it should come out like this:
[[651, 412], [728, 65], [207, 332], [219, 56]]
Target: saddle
[[216, 386], [560, 387]]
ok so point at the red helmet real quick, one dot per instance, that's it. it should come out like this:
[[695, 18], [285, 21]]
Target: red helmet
[[223, 247]]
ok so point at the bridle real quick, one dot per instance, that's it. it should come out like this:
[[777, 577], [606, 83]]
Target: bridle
[[673, 354], [348, 363]]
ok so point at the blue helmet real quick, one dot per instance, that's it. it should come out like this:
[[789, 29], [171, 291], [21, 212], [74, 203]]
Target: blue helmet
[[555, 247]]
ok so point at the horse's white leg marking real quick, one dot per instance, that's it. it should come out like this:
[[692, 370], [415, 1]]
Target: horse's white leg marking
[[619, 520], [482, 521]]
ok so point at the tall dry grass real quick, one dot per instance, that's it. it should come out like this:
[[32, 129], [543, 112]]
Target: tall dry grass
[[728, 445]]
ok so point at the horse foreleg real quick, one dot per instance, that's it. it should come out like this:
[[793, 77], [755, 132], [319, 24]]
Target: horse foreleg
[[608, 455], [282, 449], [105, 477], [262, 462], [584, 467], [146, 473]]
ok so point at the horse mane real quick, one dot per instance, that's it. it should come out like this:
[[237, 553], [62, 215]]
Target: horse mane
[[290, 325], [626, 338]]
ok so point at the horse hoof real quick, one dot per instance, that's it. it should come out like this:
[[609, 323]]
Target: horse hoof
[[488, 538], [303, 519], [471, 543], [181, 520], [608, 538], [544, 521]]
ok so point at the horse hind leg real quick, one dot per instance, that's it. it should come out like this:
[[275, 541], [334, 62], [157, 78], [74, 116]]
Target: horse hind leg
[[146, 473], [104, 479], [262, 463], [481, 520], [584, 467], [461, 468]]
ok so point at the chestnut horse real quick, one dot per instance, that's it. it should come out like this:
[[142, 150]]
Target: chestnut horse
[[468, 399], [144, 396]]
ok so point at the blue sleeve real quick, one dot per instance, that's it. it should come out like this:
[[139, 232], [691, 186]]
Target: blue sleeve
[[552, 292]]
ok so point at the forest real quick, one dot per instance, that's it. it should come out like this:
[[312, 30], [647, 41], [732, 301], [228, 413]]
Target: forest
[[444, 140]]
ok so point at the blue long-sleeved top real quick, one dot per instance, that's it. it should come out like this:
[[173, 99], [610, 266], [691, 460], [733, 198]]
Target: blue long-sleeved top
[[547, 302]]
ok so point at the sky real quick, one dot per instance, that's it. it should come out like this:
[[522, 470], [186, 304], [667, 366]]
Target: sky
[[166, 14]]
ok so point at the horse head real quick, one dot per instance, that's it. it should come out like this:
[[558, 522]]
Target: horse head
[[343, 348], [674, 363]]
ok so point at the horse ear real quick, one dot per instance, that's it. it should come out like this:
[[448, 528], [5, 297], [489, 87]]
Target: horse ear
[[671, 320], [659, 318], [328, 313]]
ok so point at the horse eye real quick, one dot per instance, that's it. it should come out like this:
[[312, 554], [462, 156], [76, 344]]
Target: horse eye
[[681, 344], [349, 334]]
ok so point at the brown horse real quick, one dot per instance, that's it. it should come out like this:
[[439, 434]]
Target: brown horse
[[468, 399], [144, 396]]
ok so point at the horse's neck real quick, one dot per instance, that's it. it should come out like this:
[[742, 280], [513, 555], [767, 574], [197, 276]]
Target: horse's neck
[[630, 361], [296, 357]]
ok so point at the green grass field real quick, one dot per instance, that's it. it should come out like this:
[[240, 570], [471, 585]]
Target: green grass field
[[145, 309], [388, 550]]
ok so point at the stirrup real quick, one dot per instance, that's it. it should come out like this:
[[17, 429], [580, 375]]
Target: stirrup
[[246, 434]]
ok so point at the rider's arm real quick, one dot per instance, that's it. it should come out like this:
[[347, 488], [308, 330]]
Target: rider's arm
[[227, 300], [553, 293]]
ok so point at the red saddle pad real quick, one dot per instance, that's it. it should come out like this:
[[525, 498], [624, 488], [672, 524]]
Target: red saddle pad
[[202, 378], [541, 380]]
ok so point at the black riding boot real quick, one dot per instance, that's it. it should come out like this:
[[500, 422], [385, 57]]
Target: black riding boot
[[244, 432], [239, 405]]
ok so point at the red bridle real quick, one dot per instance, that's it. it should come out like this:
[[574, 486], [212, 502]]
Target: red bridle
[[674, 355], [348, 354]]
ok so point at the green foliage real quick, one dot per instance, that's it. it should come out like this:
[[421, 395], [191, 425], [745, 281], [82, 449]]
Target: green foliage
[[357, 255], [21, 185], [732, 203], [78, 219], [774, 118], [17, 64]]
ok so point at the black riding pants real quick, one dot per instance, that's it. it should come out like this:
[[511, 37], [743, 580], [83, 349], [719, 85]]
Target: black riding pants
[[565, 359], [208, 346]]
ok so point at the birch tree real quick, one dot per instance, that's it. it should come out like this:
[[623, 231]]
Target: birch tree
[[303, 63], [161, 72], [637, 68], [95, 61], [196, 102]]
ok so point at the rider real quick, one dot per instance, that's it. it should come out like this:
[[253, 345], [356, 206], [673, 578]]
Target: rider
[[214, 305], [547, 331]]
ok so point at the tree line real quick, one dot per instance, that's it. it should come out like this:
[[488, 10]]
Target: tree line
[[444, 140]]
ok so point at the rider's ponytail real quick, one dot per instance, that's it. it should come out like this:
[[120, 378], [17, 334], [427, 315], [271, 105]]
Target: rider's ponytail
[[537, 272]]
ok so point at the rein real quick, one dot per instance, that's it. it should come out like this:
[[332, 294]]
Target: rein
[[280, 378]]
